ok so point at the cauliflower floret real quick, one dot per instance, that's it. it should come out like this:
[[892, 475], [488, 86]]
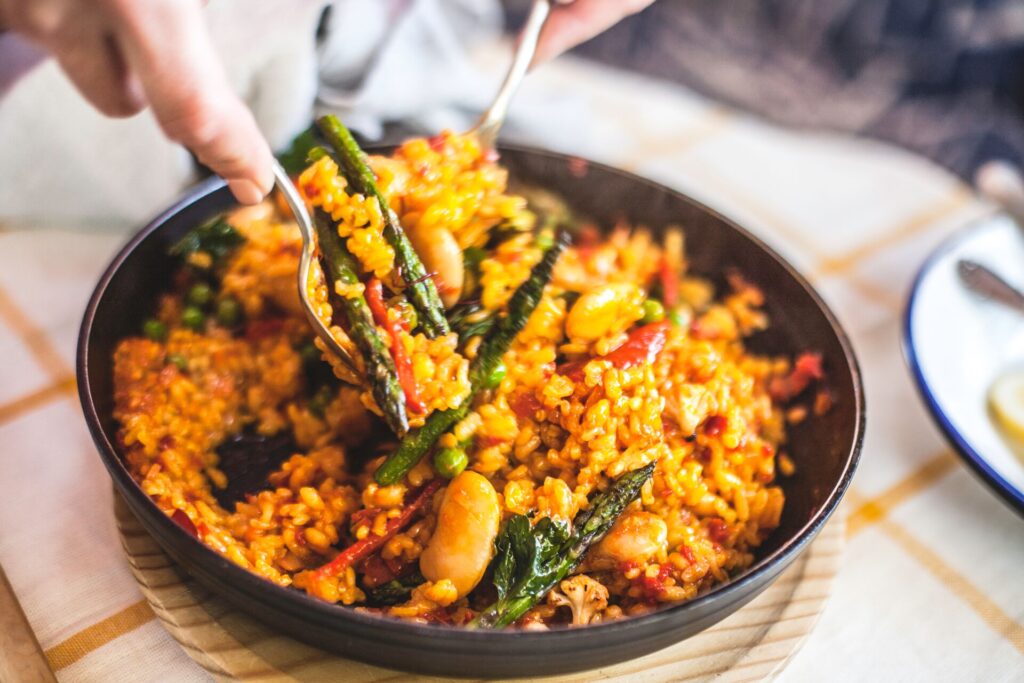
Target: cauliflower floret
[[583, 595]]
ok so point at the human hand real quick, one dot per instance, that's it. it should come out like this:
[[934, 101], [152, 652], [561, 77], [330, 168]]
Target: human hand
[[125, 54], [576, 21]]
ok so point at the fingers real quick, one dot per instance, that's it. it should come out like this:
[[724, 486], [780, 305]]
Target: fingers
[[94, 64], [168, 47], [84, 47], [571, 24]]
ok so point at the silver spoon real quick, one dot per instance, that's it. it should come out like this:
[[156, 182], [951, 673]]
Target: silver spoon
[[486, 129], [305, 223]]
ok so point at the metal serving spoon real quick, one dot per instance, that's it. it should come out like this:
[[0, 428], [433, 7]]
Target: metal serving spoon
[[305, 223], [486, 130]]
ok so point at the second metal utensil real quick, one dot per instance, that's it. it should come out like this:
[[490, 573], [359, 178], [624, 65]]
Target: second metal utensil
[[486, 130], [982, 280], [487, 127]]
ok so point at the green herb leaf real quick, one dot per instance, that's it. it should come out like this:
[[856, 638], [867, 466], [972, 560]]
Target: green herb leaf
[[294, 158], [216, 237], [394, 591], [530, 562]]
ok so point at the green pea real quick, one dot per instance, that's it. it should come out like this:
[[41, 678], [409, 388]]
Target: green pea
[[193, 318], [229, 312], [178, 360], [309, 353], [497, 374], [449, 462], [200, 295], [155, 330], [408, 313], [679, 316], [653, 311], [545, 240], [321, 399]]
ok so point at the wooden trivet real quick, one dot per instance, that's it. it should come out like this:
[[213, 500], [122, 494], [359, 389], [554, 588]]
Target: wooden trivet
[[754, 644]]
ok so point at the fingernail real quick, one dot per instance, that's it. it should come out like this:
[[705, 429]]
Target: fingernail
[[268, 181], [246, 191]]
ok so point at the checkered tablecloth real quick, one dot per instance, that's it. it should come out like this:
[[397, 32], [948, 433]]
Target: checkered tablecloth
[[932, 586]]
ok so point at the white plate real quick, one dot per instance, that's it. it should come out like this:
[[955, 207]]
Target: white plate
[[957, 343]]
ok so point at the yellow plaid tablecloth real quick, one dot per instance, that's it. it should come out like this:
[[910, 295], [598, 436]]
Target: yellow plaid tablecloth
[[932, 586]]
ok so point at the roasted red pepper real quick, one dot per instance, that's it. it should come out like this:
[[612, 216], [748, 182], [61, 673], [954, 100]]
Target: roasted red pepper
[[361, 517], [653, 586], [715, 425], [643, 346], [182, 519], [687, 553], [806, 369], [360, 550], [669, 284], [403, 364], [263, 328], [438, 616], [437, 143], [718, 530], [377, 571], [524, 404]]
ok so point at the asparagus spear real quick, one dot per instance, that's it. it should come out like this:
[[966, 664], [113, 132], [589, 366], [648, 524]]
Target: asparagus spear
[[520, 307], [523, 302], [339, 264], [421, 290], [415, 445], [530, 562]]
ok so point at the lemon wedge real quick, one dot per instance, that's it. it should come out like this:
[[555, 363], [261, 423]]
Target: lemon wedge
[[1006, 398]]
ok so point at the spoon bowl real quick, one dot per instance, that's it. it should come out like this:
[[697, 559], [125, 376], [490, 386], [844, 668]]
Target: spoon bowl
[[306, 259]]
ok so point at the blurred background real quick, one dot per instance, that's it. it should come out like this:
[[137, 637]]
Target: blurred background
[[941, 78]]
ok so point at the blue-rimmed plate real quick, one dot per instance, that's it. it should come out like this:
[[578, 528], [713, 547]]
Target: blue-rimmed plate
[[957, 343]]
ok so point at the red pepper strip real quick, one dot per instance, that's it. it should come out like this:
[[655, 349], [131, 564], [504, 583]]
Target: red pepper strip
[[363, 516], [182, 519], [360, 550], [718, 530], [715, 425], [403, 364], [436, 143], [806, 369], [378, 571], [438, 616], [643, 346], [524, 404], [261, 329], [669, 284]]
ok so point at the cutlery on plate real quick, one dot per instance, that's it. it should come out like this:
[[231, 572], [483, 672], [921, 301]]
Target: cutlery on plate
[[982, 280]]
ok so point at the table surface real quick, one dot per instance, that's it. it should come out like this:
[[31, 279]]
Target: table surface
[[931, 587]]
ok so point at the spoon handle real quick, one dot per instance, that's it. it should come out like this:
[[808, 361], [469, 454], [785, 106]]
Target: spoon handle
[[982, 280], [489, 124]]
